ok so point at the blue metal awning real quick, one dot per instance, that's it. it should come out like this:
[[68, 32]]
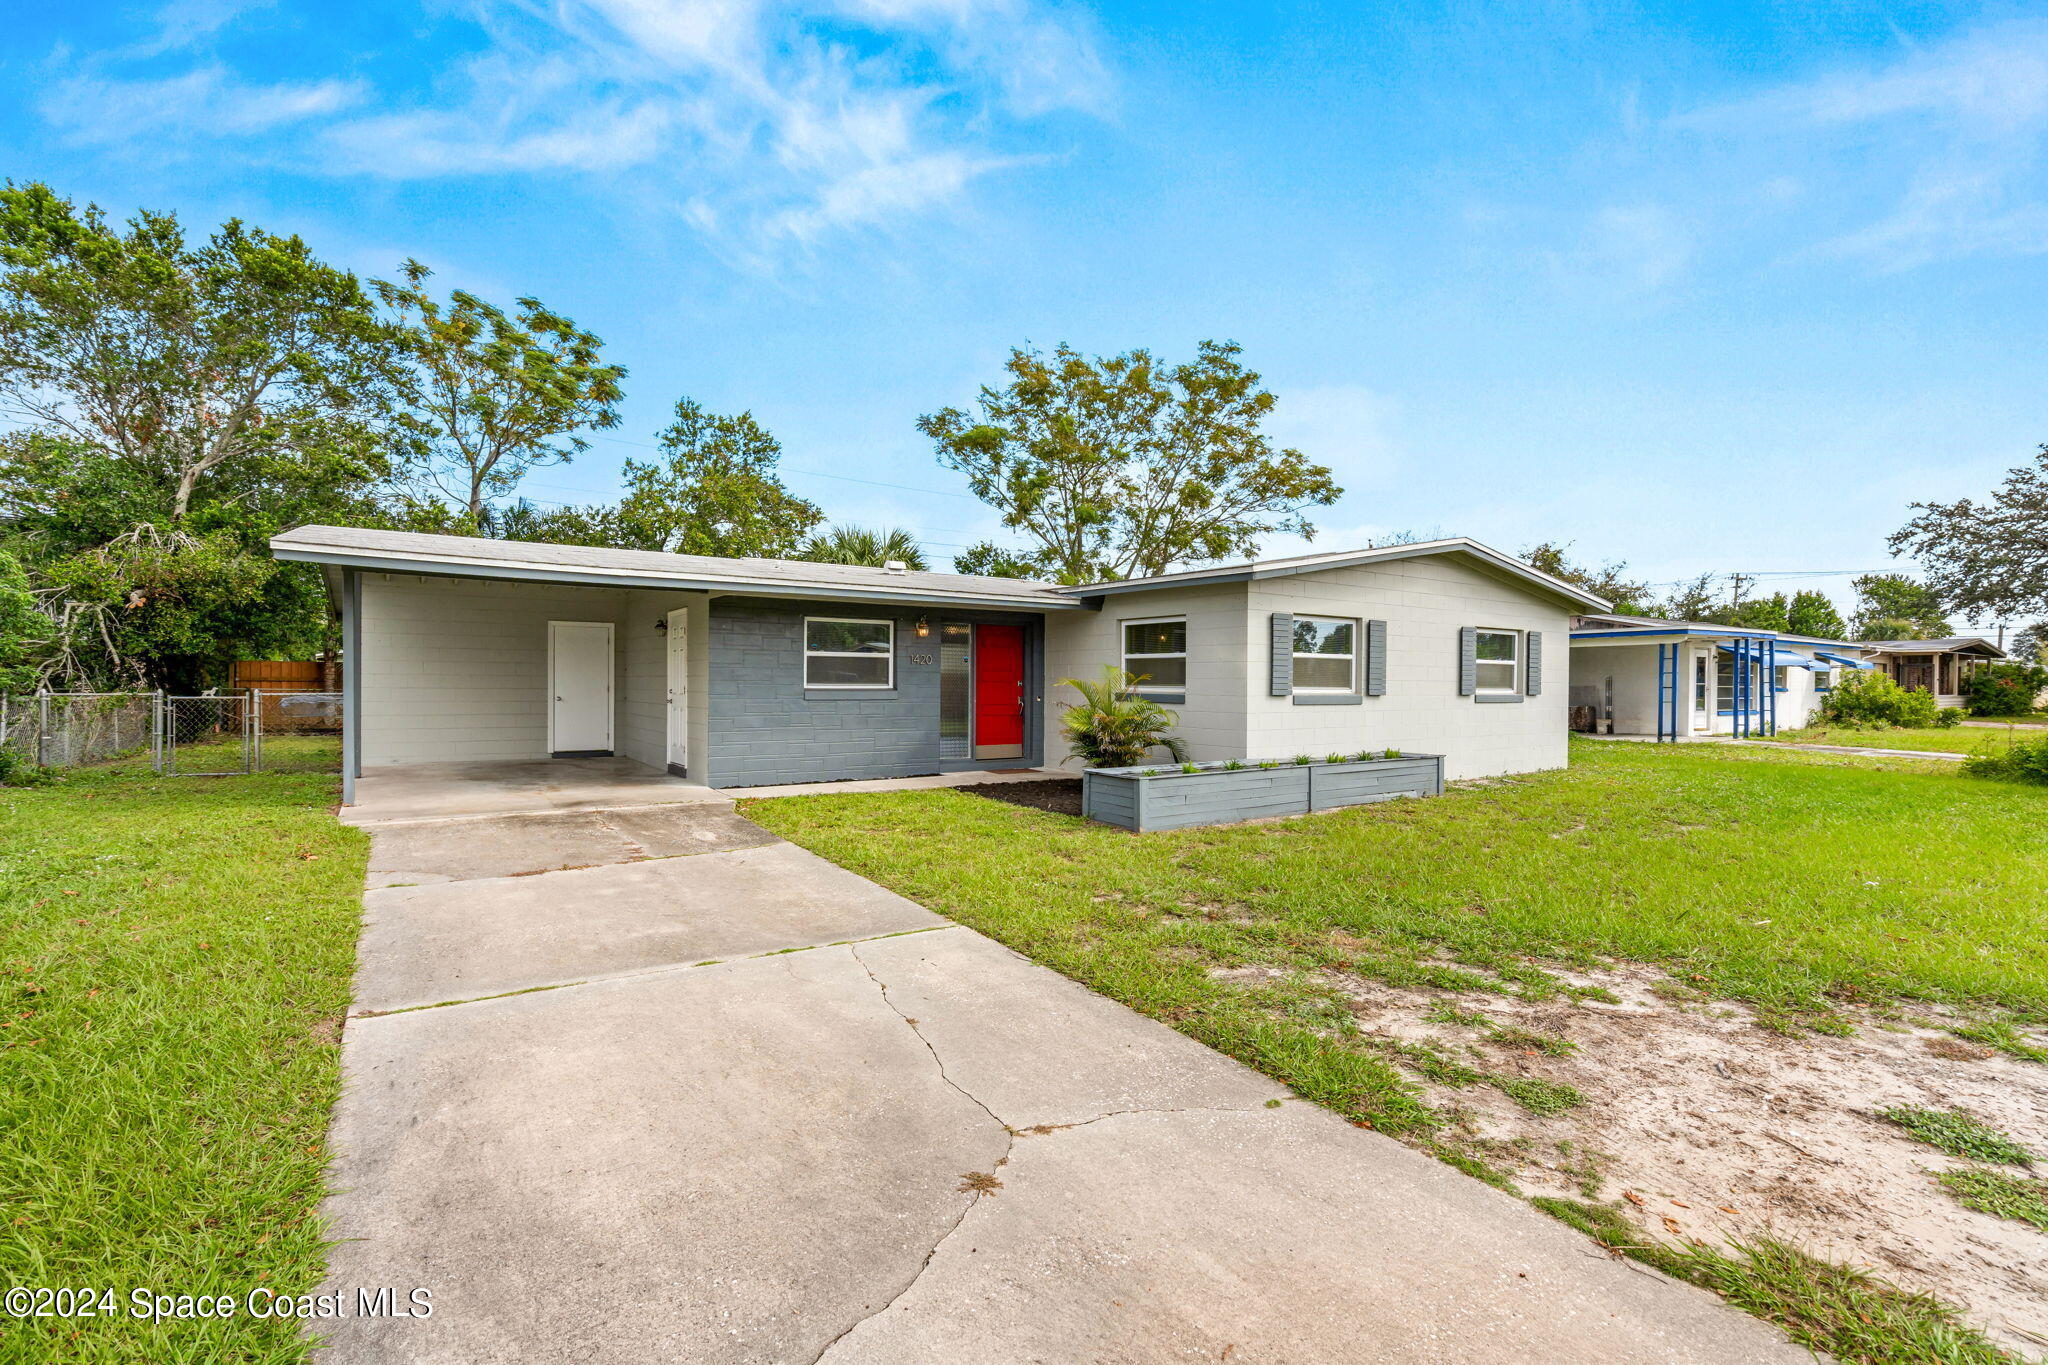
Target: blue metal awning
[[1781, 657], [1845, 660]]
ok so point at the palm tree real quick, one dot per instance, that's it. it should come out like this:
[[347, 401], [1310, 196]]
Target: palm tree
[[1113, 727], [867, 545]]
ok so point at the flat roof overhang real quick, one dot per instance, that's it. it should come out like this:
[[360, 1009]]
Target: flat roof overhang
[[377, 561]]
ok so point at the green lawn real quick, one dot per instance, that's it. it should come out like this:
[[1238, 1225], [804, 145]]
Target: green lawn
[[174, 967], [1814, 886], [1961, 739]]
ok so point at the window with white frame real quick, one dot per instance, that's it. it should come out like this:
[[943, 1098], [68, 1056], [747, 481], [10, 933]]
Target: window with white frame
[[1325, 654], [1156, 654], [1498, 660], [842, 652], [1781, 678], [1823, 679]]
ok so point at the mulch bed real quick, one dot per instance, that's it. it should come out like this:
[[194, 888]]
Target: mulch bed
[[1060, 795]]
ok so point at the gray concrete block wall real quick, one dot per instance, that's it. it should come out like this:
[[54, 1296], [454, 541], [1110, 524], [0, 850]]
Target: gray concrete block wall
[[766, 728], [455, 669]]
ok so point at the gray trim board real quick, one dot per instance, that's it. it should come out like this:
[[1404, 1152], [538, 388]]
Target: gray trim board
[[1497, 698], [1328, 699]]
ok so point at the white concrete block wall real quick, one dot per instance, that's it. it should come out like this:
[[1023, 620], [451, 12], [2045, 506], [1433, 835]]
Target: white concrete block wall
[[456, 669], [1634, 670], [1212, 719], [1425, 601]]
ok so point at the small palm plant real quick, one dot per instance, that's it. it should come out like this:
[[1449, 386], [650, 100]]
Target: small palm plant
[[1113, 727]]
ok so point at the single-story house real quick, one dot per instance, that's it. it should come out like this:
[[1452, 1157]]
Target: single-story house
[[744, 672], [1643, 675], [1939, 666]]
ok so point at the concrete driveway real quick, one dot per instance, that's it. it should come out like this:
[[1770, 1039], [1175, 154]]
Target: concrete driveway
[[740, 1105]]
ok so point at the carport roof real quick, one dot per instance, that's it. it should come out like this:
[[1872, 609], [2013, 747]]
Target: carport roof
[[476, 557]]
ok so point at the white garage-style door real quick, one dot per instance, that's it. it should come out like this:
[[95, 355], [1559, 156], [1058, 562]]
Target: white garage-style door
[[579, 688]]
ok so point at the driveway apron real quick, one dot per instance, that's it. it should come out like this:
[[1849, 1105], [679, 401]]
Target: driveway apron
[[612, 1098]]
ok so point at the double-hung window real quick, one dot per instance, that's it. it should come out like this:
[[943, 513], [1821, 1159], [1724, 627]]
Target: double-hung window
[[1156, 654], [844, 653], [1325, 654], [1497, 661]]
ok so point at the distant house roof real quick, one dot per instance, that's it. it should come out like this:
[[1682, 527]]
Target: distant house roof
[[474, 556], [1954, 644], [1250, 570], [1598, 624]]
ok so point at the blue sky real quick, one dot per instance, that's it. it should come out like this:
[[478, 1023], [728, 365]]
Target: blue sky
[[1698, 287]]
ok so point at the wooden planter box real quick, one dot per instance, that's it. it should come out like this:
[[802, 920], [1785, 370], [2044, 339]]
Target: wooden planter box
[[1146, 799]]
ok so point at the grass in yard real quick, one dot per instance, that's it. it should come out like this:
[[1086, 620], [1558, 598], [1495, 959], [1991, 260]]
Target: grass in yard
[[1961, 739], [1959, 1134], [1831, 1308], [2001, 1194], [174, 968], [1814, 887]]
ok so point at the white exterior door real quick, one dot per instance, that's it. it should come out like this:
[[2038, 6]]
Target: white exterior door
[[679, 688], [1702, 692], [579, 687]]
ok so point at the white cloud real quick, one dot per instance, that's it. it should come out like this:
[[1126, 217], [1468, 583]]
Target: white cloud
[[1345, 426], [762, 124], [1946, 142], [207, 101]]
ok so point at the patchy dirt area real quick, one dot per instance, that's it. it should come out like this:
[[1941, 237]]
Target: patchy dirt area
[[1060, 795], [1702, 1124]]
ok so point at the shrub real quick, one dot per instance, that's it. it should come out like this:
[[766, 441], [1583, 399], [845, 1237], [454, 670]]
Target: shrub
[[2004, 689], [1949, 717], [1876, 699], [1113, 727], [2025, 760], [16, 771]]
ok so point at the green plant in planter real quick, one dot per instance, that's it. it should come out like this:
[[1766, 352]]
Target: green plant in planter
[[1191, 767], [1269, 763], [1335, 758], [1232, 766], [1304, 759], [1391, 753], [1364, 756], [1113, 727]]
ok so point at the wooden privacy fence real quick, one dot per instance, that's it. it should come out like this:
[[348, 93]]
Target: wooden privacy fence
[[285, 675]]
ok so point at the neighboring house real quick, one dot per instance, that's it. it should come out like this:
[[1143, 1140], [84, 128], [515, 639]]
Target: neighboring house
[[744, 672], [1940, 666], [1642, 675]]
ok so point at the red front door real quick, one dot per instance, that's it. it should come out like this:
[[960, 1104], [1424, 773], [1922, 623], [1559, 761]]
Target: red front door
[[999, 691]]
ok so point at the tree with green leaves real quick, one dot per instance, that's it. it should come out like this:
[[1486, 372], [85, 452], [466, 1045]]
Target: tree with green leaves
[[24, 633], [184, 360], [990, 560], [1989, 560], [864, 545], [1122, 465], [1759, 613], [715, 491], [1814, 614], [2030, 644], [1892, 606], [1610, 581], [1692, 600], [488, 396]]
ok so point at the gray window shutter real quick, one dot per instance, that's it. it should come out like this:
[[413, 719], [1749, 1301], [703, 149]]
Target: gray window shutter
[[1468, 660], [1532, 674], [1375, 658], [1283, 653]]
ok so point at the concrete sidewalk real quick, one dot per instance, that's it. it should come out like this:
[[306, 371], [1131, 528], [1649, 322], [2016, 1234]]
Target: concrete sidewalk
[[790, 1116]]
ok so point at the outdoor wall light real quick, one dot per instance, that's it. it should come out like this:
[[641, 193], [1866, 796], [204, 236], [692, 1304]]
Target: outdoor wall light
[[661, 625], [924, 627]]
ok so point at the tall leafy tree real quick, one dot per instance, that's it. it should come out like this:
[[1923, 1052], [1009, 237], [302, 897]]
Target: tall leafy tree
[[866, 545], [1988, 560], [1122, 465], [715, 491], [2030, 644], [24, 633], [991, 560], [183, 360], [1892, 606], [1610, 581], [1693, 600], [1760, 613], [490, 395], [1813, 613]]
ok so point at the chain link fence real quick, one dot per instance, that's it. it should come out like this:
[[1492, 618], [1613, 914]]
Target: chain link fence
[[194, 736]]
